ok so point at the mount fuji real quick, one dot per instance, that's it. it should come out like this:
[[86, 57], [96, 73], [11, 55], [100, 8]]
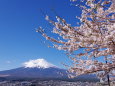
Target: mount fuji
[[39, 68]]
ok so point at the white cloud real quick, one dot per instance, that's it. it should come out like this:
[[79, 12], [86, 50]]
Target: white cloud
[[39, 63]]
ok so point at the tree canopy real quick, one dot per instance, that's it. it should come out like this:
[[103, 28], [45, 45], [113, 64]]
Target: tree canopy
[[94, 35]]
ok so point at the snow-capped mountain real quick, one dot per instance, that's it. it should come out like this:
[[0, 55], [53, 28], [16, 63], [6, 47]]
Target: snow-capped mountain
[[39, 68], [42, 69]]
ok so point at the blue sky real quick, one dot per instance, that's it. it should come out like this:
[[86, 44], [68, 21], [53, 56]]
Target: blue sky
[[18, 40]]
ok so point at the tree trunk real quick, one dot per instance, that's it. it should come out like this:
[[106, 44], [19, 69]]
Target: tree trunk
[[108, 80]]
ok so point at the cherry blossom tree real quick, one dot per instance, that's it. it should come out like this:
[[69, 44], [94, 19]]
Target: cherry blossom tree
[[94, 35]]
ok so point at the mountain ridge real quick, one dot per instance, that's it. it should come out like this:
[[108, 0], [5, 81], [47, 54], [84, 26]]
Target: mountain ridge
[[35, 72], [44, 74]]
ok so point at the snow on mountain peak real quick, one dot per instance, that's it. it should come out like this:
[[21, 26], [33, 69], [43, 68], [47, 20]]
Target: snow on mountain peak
[[39, 63]]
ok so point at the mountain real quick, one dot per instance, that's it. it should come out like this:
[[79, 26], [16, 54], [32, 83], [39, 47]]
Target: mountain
[[40, 69]]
